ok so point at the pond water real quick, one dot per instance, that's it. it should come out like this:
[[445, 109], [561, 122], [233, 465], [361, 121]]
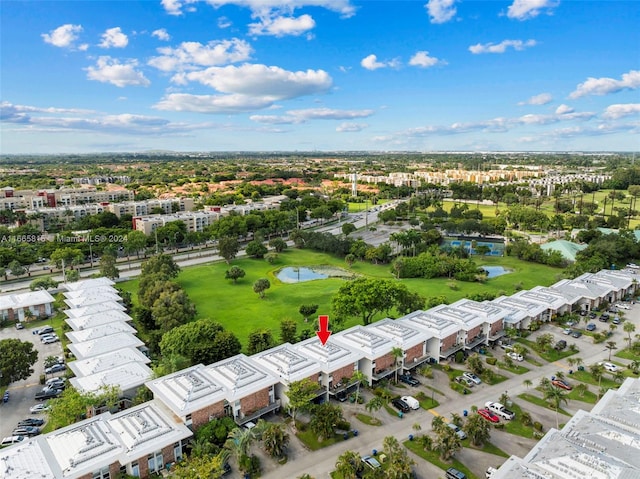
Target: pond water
[[494, 271], [299, 274]]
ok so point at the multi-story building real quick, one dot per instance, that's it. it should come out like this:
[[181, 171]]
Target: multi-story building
[[414, 343]]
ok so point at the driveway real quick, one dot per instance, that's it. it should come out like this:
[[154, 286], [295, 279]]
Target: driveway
[[22, 392]]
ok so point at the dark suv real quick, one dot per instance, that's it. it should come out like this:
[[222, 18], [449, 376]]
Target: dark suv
[[401, 405], [560, 345], [48, 394], [409, 379]]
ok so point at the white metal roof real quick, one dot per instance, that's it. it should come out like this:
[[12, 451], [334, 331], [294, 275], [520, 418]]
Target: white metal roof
[[25, 460], [88, 284], [370, 344], [97, 319], [287, 363], [83, 292], [24, 300], [400, 332], [100, 331], [529, 308], [93, 309], [91, 298], [435, 326], [126, 377], [107, 361], [240, 376], [331, 357], [94, 347], [490, 312]]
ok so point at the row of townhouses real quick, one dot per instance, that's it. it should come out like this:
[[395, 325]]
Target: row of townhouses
[[248, 387]]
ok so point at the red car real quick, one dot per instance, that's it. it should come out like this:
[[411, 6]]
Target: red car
[[488, 415], [559, 383]]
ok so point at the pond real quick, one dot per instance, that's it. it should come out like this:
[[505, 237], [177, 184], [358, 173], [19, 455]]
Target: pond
[[299, 275], [494, 271]]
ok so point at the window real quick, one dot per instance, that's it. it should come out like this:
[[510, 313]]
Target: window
[[155, 462], [187, 420], [102, 474], [177, 452], [135, 469]]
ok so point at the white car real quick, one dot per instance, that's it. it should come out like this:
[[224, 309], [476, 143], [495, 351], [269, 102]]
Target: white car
[[623, 306], [40, 407], [411, 401], [515, 356], [490, 472], [612, 368], [567, 331], [473, 377]]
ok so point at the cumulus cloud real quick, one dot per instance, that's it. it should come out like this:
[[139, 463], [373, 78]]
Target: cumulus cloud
[[282, 26], [161, 34], [526, 9], [422, 59], [344, 7], [110, 70], [63, 37], [441, 11], [604, 86], [620, 110], [351, 127], [541, 99], [371, 63], [224, 22], [190, 55], [501, 47], [564, 110], [113, 37], [301, 116], [247, 87]]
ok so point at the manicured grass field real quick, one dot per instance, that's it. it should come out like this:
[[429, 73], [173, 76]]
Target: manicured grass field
[[433, 457], [540, 402], [241, 310]]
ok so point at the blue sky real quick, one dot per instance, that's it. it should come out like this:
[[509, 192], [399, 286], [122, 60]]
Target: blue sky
[[263, 75]]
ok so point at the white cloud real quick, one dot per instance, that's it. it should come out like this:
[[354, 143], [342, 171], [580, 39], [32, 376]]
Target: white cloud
[[620, 110], [245, 88], [501, 47], [190, 55], [224, 22], [301, 116], [110, 70], [371, 63], [351, 127], [64, 36], [526, 9], [541, 99], [441, 11], [161, 34], [564, 110], [344, 7], [604, 86], [282, 26], [422, 59], [113, 37]]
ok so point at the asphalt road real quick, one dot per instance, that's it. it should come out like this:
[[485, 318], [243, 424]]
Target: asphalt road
[[22, 392]]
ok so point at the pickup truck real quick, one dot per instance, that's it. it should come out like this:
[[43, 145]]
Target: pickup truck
[[500, 410]]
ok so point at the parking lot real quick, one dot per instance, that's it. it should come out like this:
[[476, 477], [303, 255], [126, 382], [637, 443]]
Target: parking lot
[[21, 393]]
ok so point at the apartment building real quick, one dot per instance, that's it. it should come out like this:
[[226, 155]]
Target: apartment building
[[414, 343], [20, 306]]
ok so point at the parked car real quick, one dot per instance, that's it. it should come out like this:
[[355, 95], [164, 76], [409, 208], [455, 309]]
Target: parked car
[[55, 368], [49, 338], [48, 394], [11, 440], [41, 407], [562, 384], [567, 331], [488, 415], [605, 316], [473, 377], [560, 345], [591, 327], [56, 383], [616, 320], [466, 381], [411, 401], [341, 396], [583, 312], [26, 431], [490, 472], [409, 379], [623, 306], [372, 462], [500, 410], [515, 356], [19, 325], [612, 368], [453, 473], [401, 405], [43, 330], [576, 334], [593, 315], [459, 432], [31, 421]]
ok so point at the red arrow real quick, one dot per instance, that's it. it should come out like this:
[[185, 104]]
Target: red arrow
[[324, 333]]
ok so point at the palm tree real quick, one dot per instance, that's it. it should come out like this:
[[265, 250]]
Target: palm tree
[[611, 345], [239, 441], [478, 429], [397, 354], [527, 383], [358, 378], [349, 464], [374, 404], [274, 439], [597, 370], [629, 328], [555, 397], [582, 389]]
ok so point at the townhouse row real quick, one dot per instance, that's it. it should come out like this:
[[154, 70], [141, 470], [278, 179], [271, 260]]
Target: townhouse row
[[246, 388]]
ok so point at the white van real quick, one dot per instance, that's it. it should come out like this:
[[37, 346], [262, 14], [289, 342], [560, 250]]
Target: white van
[[11, 440], [411, 402]]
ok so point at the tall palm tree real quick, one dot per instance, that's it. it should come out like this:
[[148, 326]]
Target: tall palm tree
[[374, 404], [597, 371], [397, 354], [359, 378], [611, 345], [629, 328], [349, 464], [239, 441], [275, 439], [555, 397], [527, 383]]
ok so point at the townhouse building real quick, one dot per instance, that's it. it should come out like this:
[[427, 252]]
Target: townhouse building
[[20, 307], [448, 335], [415, 344], [521, 312]]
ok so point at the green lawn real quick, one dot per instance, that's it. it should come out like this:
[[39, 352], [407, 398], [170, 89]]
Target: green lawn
[[628, 354], [551, 355], [366, 419], [433, 457], [540, 402], [515, 426], [241, 310], [516, 368], [586, 377], [587, 397]]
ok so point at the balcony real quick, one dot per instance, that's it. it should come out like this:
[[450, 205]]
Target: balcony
[[377, 376], [498, 335], [417, 362], [452, 350], [240, 421], [479, 339]]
